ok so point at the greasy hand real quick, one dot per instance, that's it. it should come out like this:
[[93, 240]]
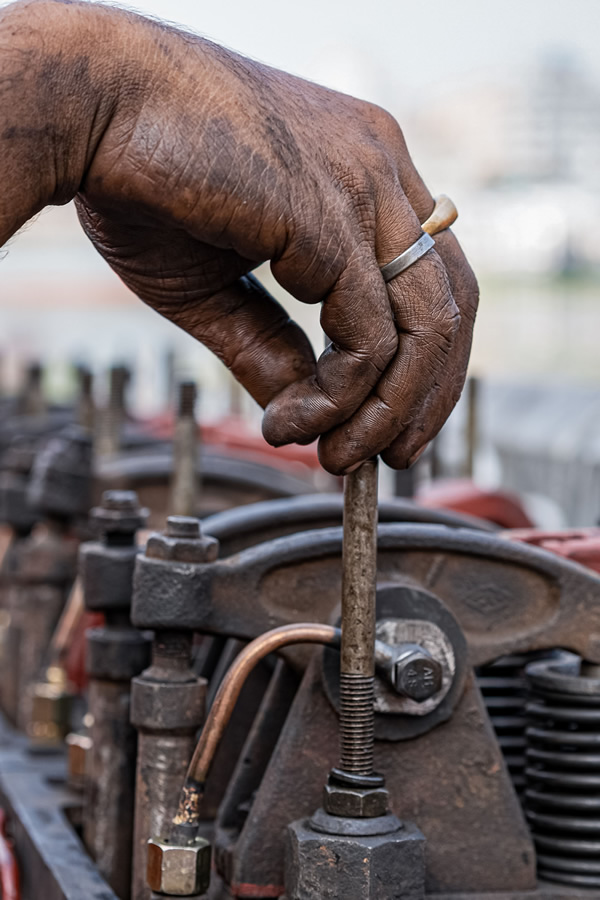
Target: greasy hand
[[192, 165]]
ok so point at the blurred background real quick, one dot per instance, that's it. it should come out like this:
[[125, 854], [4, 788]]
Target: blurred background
[[500, 105]]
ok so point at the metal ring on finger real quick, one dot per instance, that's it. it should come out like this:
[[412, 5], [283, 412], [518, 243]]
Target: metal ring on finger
[[443, 215], [408, 258]]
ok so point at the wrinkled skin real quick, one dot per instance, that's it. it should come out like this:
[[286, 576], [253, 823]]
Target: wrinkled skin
[[190, 166]]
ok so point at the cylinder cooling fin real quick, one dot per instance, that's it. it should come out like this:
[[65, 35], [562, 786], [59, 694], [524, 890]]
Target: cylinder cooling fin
[[562, 796], [504, 687]]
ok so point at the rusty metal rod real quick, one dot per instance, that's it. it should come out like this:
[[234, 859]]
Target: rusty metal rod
[[188, 813], [472, 428], [86, 410], [357, 658], [185, 477]]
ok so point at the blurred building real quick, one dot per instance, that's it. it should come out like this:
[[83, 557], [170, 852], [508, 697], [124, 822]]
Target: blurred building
[[522, 152]]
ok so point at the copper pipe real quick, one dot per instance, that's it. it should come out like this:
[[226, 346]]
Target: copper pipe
[[226, 697]]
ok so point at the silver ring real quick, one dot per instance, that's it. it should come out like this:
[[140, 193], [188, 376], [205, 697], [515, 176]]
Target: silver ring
[[406, 259]]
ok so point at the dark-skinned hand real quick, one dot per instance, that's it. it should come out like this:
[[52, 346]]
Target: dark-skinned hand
[[190, 166]]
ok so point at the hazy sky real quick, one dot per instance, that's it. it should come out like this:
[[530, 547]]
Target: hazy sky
[[405, 42]]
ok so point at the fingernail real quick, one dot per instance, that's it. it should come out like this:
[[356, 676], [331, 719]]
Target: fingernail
[[417, 455]]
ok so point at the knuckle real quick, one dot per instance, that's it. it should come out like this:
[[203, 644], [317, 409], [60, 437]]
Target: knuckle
[[385, 123]]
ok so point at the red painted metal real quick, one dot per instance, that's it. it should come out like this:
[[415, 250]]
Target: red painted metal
[[463, 496], [232, 433], [9, 869], [581, 545], [75, 658]]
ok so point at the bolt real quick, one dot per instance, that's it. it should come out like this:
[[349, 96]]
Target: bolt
[[416, 674], [185, 480], [121, 500], [85, 400], [182, 541], [183, 527], [187, 398], [31, 401], [114, 414], [119, 514], [357, 663]]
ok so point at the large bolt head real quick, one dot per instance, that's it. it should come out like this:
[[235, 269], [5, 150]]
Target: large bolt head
[[183, 541], [179, 869], [355, 802], [379, 867], [417, 674]]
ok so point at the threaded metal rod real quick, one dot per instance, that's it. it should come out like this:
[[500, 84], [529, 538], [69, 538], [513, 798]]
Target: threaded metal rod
[[114, 414], [356, 728], [357, 659]]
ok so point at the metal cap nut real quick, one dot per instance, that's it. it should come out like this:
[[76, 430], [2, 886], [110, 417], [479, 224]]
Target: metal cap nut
[[354, 802], [179, 869]]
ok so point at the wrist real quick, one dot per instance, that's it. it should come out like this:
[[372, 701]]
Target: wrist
[[59, 86]]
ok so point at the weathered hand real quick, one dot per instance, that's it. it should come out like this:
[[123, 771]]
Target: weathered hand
[[192, 165]]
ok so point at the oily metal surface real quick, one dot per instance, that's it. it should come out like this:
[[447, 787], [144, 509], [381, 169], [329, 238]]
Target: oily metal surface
[[167, 708], [344, 867], [451, 782], [38, 571], [246, 526], [251, 765], [238, 727], [226, 481], [506, 597], [53, 864], [398, 718], [108, 813]]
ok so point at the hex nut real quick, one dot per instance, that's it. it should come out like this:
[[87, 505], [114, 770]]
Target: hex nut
[[50, 715], [107, 575], [417, 675], [116, 654], [61, 475], [159, 706], [179, 869], [201, 549], [120, 511], [379, 867], [355, 802]]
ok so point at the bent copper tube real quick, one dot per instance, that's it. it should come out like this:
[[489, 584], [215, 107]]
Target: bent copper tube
[[188, 813]]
